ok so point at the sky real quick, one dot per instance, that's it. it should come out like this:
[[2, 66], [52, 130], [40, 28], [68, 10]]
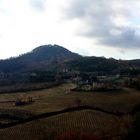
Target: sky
[[109, 28]]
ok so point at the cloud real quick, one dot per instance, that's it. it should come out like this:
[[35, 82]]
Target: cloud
[[38, 5], [112, 23], [126, 38], [85, 26]]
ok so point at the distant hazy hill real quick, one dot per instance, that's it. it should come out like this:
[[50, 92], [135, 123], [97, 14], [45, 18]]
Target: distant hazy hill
[[43, 57]]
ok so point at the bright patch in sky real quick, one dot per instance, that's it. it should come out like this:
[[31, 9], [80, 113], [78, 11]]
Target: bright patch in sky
[[89, 27]]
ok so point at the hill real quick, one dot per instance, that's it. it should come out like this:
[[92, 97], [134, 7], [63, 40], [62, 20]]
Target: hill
[[135, 63], [42, 57], [55, 63], [50, 57], [99, 64]]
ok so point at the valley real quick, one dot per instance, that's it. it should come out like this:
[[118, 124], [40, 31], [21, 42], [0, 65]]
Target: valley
[[52, 93]]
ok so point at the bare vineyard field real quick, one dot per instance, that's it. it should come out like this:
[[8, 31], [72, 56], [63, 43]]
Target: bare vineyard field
[[60, 97], [104, 125], [88, 121]]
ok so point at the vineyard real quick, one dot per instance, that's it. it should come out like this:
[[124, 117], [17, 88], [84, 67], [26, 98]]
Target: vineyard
[[61, 97], [101, 122], [89, 122], [8, 116]]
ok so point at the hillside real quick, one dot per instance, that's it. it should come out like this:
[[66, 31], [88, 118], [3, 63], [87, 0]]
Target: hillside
[[101, 119], [51, 63], [135, 63], [43, 57], [86, 124], [98, 64], [50, 57]]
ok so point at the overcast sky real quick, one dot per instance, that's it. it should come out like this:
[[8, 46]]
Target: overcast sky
[[109, 28]]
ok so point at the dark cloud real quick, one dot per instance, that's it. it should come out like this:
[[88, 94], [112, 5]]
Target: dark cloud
[[127, 38], [106, 21], [38, 5]]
